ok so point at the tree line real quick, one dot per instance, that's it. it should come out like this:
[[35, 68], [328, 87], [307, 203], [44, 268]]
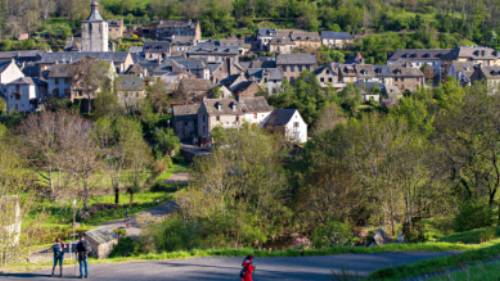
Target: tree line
[[432, 157]]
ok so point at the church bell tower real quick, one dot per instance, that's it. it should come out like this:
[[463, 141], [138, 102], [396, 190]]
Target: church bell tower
[[95, 31]]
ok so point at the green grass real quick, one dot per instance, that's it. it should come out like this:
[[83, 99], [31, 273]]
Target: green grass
[[474, 236], [478, 272], [478, 253]]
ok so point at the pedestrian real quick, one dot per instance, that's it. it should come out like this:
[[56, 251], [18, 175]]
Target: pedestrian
[[58, 250], [246, 273], [83, 251]]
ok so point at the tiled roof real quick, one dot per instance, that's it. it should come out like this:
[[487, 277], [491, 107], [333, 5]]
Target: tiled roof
[[214, 48]]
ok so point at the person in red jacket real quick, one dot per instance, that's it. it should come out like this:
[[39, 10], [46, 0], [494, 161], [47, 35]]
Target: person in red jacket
[[248, 269]]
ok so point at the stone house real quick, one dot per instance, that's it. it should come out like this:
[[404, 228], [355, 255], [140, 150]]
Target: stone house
[[305, 39], [156, 50], [264, 37], [120, 60], [214, 51], [338, 40], [116, 29], [185, 122], [292, 65], [490, 75], [101, 242], [230, 113], [269, 79], [130, 90], [461, 71], [68, 80], [191, 90], [328, 76], [22, 95], [169, 29], [246, 89], [404, 78], [477, 55], [281, 46], [289, 123]]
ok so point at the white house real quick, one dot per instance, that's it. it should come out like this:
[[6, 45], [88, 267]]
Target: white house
[[9, 72], [288, 122], [21, 95]]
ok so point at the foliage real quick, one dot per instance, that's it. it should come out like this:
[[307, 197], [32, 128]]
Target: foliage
[[166, 142], [332, 234], [474, 236], [473, 214]]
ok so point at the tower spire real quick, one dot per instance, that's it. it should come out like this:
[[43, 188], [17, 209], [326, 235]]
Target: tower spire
[[94, 11]]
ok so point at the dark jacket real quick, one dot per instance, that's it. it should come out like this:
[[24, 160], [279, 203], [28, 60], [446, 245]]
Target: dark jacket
[[83, 249]]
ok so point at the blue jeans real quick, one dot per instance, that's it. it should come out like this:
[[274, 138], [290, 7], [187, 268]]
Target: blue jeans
[[84, 269]]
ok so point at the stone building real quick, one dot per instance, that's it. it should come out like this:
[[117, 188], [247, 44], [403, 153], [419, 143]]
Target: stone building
[[95, 31]]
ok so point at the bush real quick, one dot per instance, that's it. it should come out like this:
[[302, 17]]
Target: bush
[[127, 247], [473, 214], [474, 236], [332, 234]]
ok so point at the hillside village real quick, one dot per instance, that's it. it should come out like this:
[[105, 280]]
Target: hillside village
[[225, 82]]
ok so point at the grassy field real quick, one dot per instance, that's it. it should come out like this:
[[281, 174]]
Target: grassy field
[[478, 253], [478, 272]]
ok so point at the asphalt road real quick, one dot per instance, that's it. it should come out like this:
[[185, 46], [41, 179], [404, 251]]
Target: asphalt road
[[227, 269]]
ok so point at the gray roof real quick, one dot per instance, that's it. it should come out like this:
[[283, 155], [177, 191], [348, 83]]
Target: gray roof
[[190, 64], [95, 16], [299, 35], [296, 59], [130, 83], [491, 72], [258, 74], [187, 109], [100, 236], [156, 46], [336, 35], [266, 32], [20, 55], [214, 48], [135, 49], [475, 53], [70, 57], [234, 107], [280, 117], [420, 54]]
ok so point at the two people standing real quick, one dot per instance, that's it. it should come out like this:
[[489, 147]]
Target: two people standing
[[82, 251]]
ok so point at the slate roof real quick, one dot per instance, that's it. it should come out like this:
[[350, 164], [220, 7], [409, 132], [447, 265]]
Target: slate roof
[[420, 54], [336, 35], [214, 48], [296, 59], [266, 32], [187, 109], [234, 107], [300, 35], [70, 57], [21, 55], [280, 117], [95, 16], [491, 72], [100, 236], [129, 83], [156, 46], [194, 84], [135, 49], [136, 69], [258, 74], [475, 53], [190, 64]]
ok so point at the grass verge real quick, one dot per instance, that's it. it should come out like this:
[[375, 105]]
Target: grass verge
[[482, 252], [478, 272]]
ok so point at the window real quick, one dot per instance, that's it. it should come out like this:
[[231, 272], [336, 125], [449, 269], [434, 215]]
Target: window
[[330, 80], [322, 80], [296, 124], [292, 68], [56, 81], [218, 118], [300, 68]]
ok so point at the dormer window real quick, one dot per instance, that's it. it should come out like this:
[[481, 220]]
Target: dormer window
[[233, 106], [218, 105]]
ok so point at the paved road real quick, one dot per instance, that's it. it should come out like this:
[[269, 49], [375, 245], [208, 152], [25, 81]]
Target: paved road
[[227, 269]]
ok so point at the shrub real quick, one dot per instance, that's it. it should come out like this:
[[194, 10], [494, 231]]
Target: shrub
[[332, 234], [473, 214], [127, 247]]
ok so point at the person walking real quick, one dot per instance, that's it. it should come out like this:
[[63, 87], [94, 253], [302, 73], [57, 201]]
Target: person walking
[[83, 251], [58, 250], [248, 269]]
